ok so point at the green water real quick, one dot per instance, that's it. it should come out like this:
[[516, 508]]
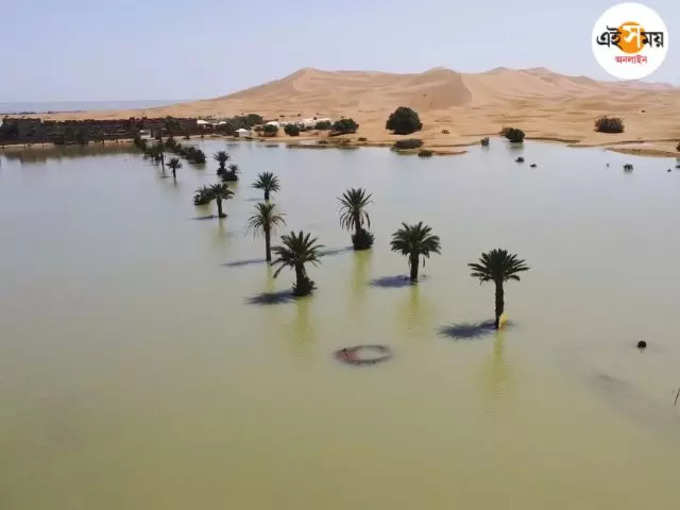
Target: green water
[[136, 374]]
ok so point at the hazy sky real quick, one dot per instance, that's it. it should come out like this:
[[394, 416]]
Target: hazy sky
[[85, 50]]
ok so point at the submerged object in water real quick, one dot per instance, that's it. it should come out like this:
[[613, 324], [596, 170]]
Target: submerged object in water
[[363, 354], [642, 344]]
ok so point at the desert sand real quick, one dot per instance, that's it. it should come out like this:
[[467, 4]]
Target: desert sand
[[546, 105]]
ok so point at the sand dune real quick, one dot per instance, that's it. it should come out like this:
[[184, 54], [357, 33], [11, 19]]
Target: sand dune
[[543, 103]]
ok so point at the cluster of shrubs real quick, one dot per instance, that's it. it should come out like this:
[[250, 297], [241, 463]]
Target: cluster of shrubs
[[323, 125], [515, 135], [189, 152], [425, 153], [270, 130], [409, 143], [343, 127], [609, 125], [404, 121], [203, 196]]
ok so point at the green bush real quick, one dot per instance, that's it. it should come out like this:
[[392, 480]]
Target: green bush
[[609, 125], [344, 126], [425, 153], [323, 125], [270, 130], [484, 141], [362, 240], [513, 134], [409, 143], [291, 129], [404, 121]]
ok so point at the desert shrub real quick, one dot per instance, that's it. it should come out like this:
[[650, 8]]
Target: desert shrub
[[628, 167], [409, 143], [227, 129], [344, 126], [519, 159], [425, 153], [404, 121], [363, 139], [513, 134], [609, 125], [323, 125], [362, 240], [203, 196], [291, 130], [678, 148], [270, 130], [445, 131], [484, 141]]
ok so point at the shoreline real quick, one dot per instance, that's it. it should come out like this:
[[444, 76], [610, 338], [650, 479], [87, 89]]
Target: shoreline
[[344, 142]]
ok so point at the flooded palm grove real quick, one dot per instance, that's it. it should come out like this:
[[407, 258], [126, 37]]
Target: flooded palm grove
[[150, 359]]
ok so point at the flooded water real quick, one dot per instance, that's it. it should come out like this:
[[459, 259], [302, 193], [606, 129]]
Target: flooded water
[[140, 369]]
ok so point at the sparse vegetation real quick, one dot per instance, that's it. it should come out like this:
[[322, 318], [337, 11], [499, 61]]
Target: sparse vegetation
[[445, 131], [609, 125], [515, 135], [425, 153], [409, 143], [484, 141], [404, 121], [344, 126]]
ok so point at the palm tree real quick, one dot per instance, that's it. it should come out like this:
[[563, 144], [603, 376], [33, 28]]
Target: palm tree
[[221, 157], [265, 220], [219, 192], [296, 251], [498, 266], [414, 241], [268, 182], [174, 164], [353, 215]]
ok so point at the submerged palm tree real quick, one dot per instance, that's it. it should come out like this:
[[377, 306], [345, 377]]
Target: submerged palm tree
[[265, 220], [295, 252], [202, 196], [219, 192], [353, 216], [174, 164], [414, 241], [268, 182], [230, 175], [498, 266], [221, 157]]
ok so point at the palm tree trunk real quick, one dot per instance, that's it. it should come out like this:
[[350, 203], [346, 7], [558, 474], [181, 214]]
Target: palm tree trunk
[[415, 260], [300, 279], [267, 244], [500, 303], [219, 208], [174, 174], [266, 195]]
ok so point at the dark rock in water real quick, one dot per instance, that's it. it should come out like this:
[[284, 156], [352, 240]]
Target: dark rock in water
[[520, 159], [642, 344], [533, 165], [669, 170], [607, 165]]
